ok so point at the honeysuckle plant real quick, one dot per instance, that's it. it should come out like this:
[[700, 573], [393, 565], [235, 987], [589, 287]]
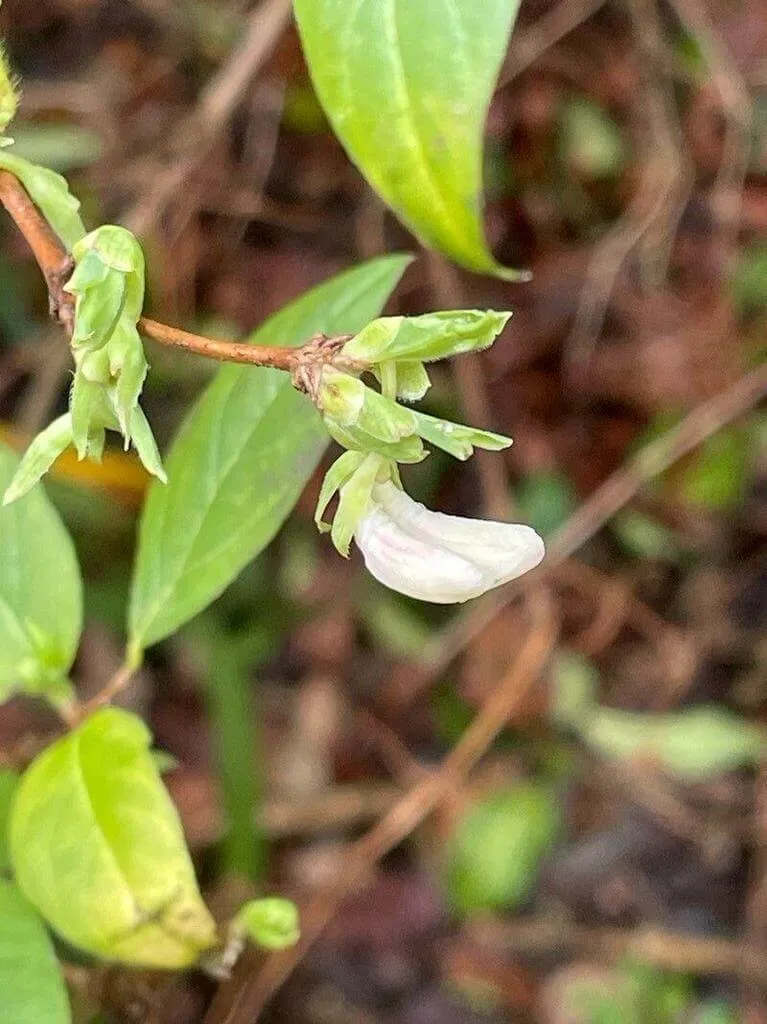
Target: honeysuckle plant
[[91, 845]]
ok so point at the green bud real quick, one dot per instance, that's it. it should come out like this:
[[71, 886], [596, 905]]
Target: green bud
[[39, 457], [97, 310], [50, 192], [349, 402], [119, 251], [428, 337], [354, 502], [338, 474], [272, 923], [457, 439]]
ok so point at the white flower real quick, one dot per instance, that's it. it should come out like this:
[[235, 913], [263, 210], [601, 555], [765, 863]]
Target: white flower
[[440, 558]]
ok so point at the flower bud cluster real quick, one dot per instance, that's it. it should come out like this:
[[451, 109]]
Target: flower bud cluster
[[110, 366], [423, 554]]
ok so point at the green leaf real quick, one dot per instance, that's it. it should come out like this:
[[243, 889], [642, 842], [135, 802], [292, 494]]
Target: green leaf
[[97, 847], [8, 782], [40, 591], [273, 923], [32, 987], [240, 462], [694, 745], [406, 85], [498, 846]]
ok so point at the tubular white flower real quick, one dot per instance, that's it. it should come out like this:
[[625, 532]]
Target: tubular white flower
[[440, 558]]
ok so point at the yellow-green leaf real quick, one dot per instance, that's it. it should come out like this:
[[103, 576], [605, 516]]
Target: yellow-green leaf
[[407, 85], [97, 847]]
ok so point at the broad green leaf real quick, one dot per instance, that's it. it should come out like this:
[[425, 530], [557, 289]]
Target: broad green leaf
[[40, 591], [97, 846], [240, 462], [498, 846], [32, 988], [407, 85], [693, 744]]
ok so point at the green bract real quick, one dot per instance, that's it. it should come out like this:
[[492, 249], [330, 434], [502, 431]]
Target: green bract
[[97, 847], [426, 338]]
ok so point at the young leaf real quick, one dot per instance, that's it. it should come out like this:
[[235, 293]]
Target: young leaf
[[32, 988], [97, 847], [407, 85], [240, 462], [40, 591]]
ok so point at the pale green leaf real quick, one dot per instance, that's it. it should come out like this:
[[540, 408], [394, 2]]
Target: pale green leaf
[[240, 462], [97, 846], [694, 744], [497, 848], [31, 984], [407, 85], [40, 591]]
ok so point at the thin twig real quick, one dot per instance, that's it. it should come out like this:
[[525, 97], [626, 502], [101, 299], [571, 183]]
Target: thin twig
[[243, 998], [107, 694], [55, 263]]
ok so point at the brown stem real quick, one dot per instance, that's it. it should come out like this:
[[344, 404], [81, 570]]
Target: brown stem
[[225, 351], [56, 265]]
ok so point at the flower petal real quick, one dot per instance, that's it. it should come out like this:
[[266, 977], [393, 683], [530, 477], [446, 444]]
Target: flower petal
[[413, 566], [440, 558]]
